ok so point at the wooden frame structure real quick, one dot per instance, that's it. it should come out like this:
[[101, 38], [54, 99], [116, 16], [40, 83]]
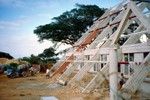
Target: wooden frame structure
[[114, 37]]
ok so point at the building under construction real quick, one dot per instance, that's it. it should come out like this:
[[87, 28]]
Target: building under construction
[[118, 42]]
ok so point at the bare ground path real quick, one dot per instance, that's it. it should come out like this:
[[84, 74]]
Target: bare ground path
[[33, 88]]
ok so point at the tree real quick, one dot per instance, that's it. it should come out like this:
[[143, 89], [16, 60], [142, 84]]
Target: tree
[[5, 55], [69, 26], [48, 55], [32, 59]]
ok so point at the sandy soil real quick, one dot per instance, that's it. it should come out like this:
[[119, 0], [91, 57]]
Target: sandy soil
[[33, 88]]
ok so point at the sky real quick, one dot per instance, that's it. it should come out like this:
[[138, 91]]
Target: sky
[[18, 19]]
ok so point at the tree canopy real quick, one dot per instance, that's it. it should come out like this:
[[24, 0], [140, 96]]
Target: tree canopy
[[69, 26], [47, 56], [5, 55]]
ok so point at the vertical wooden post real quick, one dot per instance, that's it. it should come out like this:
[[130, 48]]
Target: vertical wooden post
[[113, 70]]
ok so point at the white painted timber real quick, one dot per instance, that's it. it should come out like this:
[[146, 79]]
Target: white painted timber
[[134, 37], [119, 17], [136, 79], [139, 15], [85, 68], [121, 26], [90, 51], [100, 51], [97, 80], [141, 47], [113, 72], [69, 70]]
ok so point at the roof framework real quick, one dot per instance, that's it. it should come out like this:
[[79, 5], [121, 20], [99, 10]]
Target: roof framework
[[125, 27]]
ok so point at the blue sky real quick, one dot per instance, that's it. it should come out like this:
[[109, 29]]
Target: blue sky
[[18, 19]]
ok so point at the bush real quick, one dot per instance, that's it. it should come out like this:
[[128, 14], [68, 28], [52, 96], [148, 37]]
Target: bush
[[14, 66]]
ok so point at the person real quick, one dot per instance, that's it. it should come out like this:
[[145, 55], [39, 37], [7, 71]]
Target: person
[[47, 73], [122, 81]]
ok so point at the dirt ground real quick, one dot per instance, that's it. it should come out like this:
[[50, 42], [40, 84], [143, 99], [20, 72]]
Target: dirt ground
[[35, 87]]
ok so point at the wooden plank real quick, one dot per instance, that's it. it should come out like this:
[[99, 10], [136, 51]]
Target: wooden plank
[[121, 26], [63, 66]]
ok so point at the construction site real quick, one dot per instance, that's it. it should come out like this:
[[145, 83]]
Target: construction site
[[115, 47], [118, 42]]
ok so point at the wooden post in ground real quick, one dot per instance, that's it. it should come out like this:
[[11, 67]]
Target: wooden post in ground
[[113, 70]]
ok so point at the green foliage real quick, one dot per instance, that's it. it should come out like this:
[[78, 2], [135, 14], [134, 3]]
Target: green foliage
[[5, 55], [10, 66], [32, 59], [47, 56], [14, 64], [69, 26], [50, 52]]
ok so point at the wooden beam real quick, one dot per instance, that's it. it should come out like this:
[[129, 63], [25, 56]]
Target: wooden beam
[[136, 48], [142, 0], [121, 26], [63, 66], [139, 15]]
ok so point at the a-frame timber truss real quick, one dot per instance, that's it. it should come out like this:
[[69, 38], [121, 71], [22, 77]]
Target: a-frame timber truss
[[118, 42]]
